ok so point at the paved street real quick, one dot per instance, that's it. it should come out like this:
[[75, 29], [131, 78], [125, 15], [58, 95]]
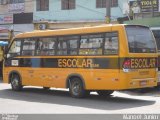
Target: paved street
[[36, 100]]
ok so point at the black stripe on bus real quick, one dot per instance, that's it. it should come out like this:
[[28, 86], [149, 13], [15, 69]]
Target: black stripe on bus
[[88, 63], [93, 63]]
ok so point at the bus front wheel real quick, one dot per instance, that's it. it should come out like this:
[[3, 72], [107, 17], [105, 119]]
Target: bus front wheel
[[105, 93], [76, 88], [16, 83]]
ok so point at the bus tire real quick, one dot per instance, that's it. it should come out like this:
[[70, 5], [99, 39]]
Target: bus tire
[[76, 88], [16, 83], [105, 93]]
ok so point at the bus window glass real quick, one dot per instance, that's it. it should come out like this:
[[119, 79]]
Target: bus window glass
[[157, 37], [14, 49], [111, 43], [140, 40], [46, 46], [62, 46], [28, 47], [91, 44], [72, 45], [67, 45]]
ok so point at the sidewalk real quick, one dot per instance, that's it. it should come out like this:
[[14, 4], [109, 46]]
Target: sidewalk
[[155, 92]]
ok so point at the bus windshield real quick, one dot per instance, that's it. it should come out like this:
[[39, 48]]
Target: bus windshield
[[156, 34], [140, 39]]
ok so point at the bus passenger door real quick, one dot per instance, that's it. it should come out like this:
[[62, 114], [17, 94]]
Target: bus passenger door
[[30, 64], [31, 71]]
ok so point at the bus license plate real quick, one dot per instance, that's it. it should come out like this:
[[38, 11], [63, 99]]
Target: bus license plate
[[143, 83]]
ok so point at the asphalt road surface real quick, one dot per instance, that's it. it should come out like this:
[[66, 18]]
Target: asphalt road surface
[[38, 101]]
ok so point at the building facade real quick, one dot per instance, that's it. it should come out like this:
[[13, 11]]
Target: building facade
[[17, 15], [55, 14], [74, 13], [145, 12]]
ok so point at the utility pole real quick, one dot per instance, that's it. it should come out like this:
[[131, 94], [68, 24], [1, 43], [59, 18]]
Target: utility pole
[[152, 10], [108, 11]]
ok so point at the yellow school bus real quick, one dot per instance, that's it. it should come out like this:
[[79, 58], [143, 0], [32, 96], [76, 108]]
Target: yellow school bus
[[156, 33], [100, 58]]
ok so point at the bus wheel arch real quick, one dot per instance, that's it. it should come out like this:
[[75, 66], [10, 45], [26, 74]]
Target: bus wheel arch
[[15, 80], [76, 86], [71, 77]]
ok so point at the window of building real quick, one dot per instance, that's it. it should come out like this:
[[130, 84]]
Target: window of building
[[15, 1], [102, 3], [28, 47], [3, 2], [91, 44], [114, 3], [42, 5], [46, 46], [68, 4]]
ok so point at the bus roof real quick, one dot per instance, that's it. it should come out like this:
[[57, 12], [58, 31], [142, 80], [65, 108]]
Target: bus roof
[[69, 31]]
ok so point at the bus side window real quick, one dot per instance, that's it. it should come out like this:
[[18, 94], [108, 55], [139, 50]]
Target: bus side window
[[14, 49], [40, 45], [111, 43], [46, 46], [156, 34], [62, 46], [73, 45], [91, 44], [28, 48]]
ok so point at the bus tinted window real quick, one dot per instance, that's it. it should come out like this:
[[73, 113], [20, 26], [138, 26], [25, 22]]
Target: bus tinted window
[[28, 47], [46, 46], [91, 44], [157, 37], [14, 49], [140, 40], [67, 45], [73, 45], [111, 43]]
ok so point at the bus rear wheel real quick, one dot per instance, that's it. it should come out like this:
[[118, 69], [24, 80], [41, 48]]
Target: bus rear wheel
[[105, 93], [46, 88], [16, 83], [76, 88]]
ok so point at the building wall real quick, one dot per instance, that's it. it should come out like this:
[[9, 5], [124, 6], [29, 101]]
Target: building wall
[[19, 29], [3, 9], [28, 7], [15, 16], [85, 11]]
